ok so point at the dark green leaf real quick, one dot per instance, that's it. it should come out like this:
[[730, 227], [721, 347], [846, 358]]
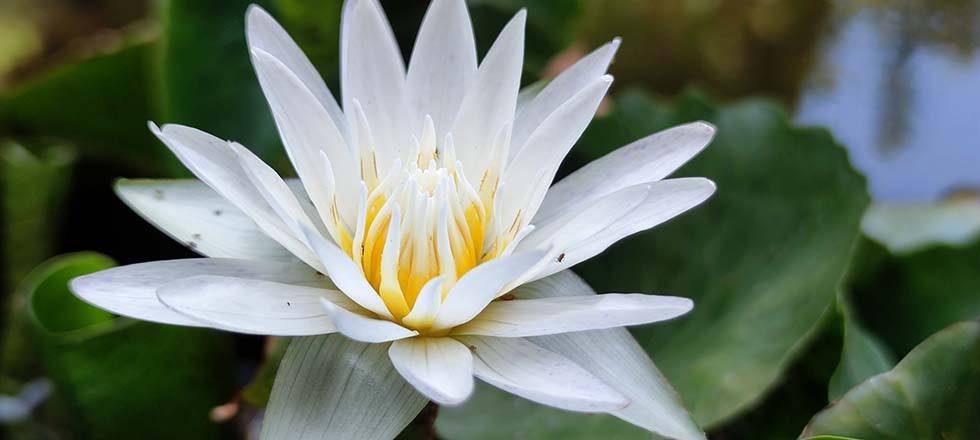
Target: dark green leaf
[[120, 377], [862, 356], [28, 219], [100, 104], [934, 393]]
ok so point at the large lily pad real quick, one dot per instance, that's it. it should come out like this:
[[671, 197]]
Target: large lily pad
[[121, 378], [762, 260], [934, 393]]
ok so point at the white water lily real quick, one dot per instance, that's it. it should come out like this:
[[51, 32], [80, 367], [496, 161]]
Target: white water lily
[[422, 219]]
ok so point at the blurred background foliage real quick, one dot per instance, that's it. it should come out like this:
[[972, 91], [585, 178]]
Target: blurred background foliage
[[827, 257]]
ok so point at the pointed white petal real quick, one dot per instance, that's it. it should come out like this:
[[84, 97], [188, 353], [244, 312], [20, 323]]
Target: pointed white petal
[[213, 161], [194, 214], [548, 316], [571, 81], [534, 167], [491, 101], [646, 160], [443, 63], [440, 368], [345, 274], [306, 129], [264, 33], [426, 304], [480, 286], [534, 373], [131, 290], [364, 328], [577, 236], [373, 73], [252, 306], [274, 190], [331, 387], [653, 404]]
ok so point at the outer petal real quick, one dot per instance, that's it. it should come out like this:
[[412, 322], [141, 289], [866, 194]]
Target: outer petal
[[306, 130], [653, 404], [373, 73], [440, 368], [264, 33], [443, 64], [480, 286], [213, 161], [548, 316], [194, 214], [131, 290], [646, 160], [252, 306], [535, 165], [363, 328], [559, 90], [491, 102], [534, 373], [330, 387], [574, 240]]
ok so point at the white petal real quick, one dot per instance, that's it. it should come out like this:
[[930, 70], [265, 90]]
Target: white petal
[[426, 304], [331, 387], [443, 63], [646, 160], [527, 370], [534, 167], [574, 241], [213, 161], [131, 290], [264, 33], [194, 214], [480, 286], [345, 274], [653, 404], [274, 190], [252, 306], [571, 81], [373, 73], [490, 103], [364, 328], [440, 368], [306, 129], [548, 316]]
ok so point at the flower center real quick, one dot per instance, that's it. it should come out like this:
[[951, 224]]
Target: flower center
[[423, 219]]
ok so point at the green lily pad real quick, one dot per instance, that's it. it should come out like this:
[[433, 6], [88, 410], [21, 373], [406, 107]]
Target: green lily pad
[[934, 393], [119, 378], [28, 217], [762, 259]]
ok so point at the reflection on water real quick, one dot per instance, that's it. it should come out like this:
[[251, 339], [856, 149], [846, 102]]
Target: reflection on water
[[903, 95]]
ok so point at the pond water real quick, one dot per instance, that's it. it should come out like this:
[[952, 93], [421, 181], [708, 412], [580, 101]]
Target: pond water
[[905, 102]]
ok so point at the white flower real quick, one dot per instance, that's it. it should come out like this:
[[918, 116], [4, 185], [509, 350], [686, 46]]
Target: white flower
[[423, 200]]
